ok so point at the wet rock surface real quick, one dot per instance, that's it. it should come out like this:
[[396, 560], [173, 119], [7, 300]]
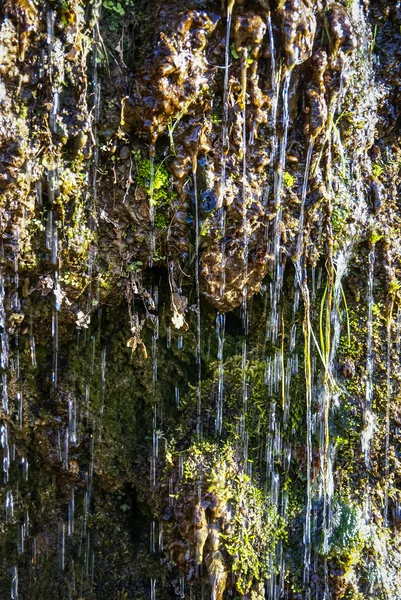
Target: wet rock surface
[[200, 299]]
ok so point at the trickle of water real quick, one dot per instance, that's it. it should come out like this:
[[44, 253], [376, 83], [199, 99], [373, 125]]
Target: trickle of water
[[368, 418], [153, 536], [55, 348], [155, 450], [278, 192], [244, 369], [153, 589], [25, 467], [18, 397], [152, 209], [388, 415], [9, 506], [38, 193], [33, 351], [62, 549], [4, 393], [182, 586], [6, 451], [66, 447], [220, 330], [49, 230], [299, 253], [225, 142], [161, 545], [50, 28], [71, 511], [245, 234], [198, 307], [155, 337], [72, 420], [4, 346], [14, 584], [102, 387], [275, 87]]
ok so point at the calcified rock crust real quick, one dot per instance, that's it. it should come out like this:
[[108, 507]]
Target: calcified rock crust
[[181, 84], [200, 311]]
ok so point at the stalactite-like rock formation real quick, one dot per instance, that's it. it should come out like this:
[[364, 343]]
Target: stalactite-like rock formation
[[200, 309]]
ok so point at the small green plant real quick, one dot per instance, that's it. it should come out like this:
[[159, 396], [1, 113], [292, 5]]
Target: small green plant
[[373, 43], [394, 286], [288, 179], [114, 6], [161, 220], [157, 257], [173, 124], [377, 170], [375, 237], [161, 195], [234, 53], [134, 267]]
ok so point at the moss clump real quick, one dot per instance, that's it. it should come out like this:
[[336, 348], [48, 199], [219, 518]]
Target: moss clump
[[288, 179], [220, 518], [160, 193]]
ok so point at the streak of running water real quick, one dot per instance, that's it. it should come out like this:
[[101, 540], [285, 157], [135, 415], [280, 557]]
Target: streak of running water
[[308, 381], [155, 432], [102, 388], [14, 583], [198, 307], [300, 240], [153, 589], [9, 506], [244, 63], [368, 418], [71, 513], [244, 370], [302, 284], [152, 208], [220, 330], [275, 87], [278, 192], [155, 450], [6, 451], [230, 6], [328, 395], [389, 396], [62, 548], [4, 347]]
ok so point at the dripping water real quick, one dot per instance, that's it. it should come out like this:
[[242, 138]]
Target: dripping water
[[198, 307], [278, 192], [14, 584], [220, 330], [389, 394], [225, 141], [152, 208], [368, 419]]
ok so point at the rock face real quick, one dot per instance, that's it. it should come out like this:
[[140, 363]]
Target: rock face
[[200, 307], [226, 132]]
